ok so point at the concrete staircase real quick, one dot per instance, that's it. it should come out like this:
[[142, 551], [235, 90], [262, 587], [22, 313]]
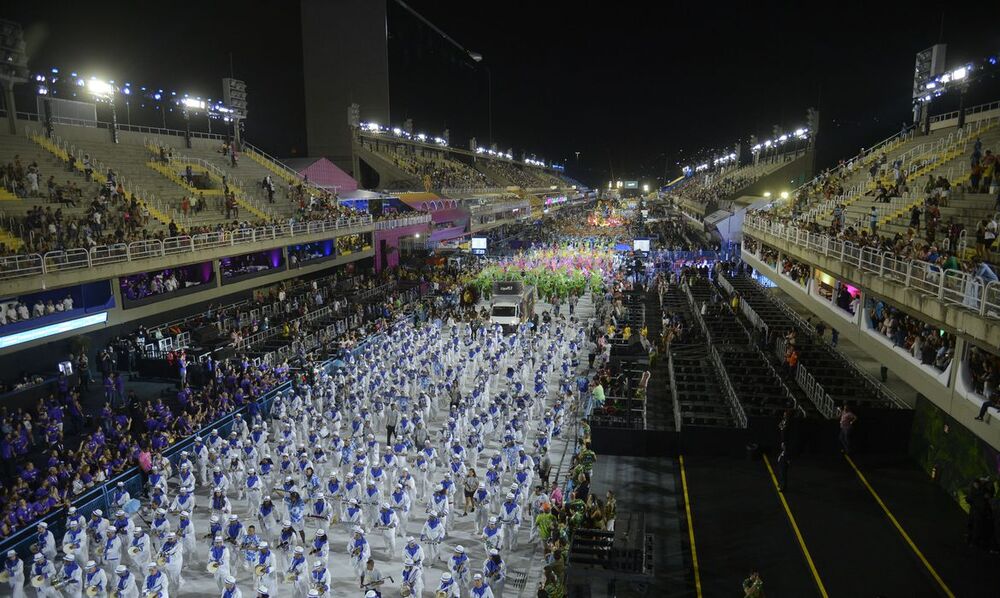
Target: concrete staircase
[[14, 209]]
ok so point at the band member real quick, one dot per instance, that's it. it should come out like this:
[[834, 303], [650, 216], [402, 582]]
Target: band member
[[156, 582], [97, 579], [124, 583], [15, 573]]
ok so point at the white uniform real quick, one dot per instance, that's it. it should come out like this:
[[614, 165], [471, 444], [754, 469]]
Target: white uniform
[[74, 584], [47, 570], [125, 586], [157, 583], [15, 574], [219, 554], [141, 558], [97, 579], [78, 538], [388, 525]]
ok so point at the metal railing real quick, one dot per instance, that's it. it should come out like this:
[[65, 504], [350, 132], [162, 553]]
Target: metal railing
[[32, 264], [403, 222], [960, 289]]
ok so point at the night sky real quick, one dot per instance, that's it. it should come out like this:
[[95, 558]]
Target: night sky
[[635, 87]]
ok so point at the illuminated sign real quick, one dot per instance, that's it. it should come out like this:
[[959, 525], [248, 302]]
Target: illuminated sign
[[52, 329]]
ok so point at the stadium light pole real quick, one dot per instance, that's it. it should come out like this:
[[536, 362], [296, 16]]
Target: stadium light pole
[[102, 90], [478, 59]]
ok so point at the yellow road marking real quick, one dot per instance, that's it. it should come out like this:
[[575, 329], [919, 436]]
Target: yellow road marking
[[687, 509], [795, 528], [899, 528]]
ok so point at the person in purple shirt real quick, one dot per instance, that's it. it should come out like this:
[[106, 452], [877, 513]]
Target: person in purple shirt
[[120, 389]]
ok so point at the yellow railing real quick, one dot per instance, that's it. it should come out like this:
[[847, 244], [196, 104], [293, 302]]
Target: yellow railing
[[99, 177]]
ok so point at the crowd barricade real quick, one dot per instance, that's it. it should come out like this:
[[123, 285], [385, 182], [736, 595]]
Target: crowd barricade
[[99, 497]]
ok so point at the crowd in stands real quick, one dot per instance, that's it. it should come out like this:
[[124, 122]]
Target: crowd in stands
[[442, 173], [930, 345], [796, 270], [55, 452], [149, 284], [18, 311]]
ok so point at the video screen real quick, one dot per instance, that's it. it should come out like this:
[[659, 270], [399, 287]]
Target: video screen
[[479, 245], [640, 245]]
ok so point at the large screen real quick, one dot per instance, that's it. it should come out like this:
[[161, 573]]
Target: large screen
[[640, 245], [479, 245]]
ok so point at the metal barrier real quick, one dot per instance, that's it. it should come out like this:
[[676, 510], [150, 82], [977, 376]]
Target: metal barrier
[[99, 497], [818, 396], [32, 264], [923, 277]]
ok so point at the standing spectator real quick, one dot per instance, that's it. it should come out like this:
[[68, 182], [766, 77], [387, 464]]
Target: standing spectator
[[847, 421]]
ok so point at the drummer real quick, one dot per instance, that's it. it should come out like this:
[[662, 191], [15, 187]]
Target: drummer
[[124, 585], [297, 572], [229, 589], [72, 575], [139, 551], [155, 583], [76, 539], [218, 561], [97, 579]]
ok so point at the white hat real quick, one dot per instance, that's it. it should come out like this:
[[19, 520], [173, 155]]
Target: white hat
[[214, 518], [385, 505], [161, 511], [446, 577], [263, 591], [262, 545], [320, 495], [299, 550], [11, 553], [408, 562], [510, 496], [217, 539], [151, 565], [357, 530], [91, 564], [74, 523], [317, 564], [137, 530], [371, 594], [286, 523], [121, 569], [460, 549], [313, 594], [321, 532], [43, 525], [477, 576], [41, 557], [171, 536], [185, 514], [234, 517], [493, 519], [494, 552], [70, 558], [230, 579]]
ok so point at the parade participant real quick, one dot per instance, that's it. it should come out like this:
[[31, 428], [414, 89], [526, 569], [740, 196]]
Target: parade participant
[[322, 510], [229, 588], [459, 567], [439, 504], [412, 579], [495, 573], [481, 500], [249, 547], [160, 529], [95, 578], [265, 570], [122, 523], [111, 550], [44, 568], [400, 503], [492, 535], [124, 583], [267, 517], [254, 487], [286, 539], [371, 577], [184, 501], [358, 550], [173, 561], [353, 515], [218, 561], [155, 583], [220, 503], [479, 588], [297, 573], [119, 495], [510, 518], [413, 551], [320, 547], [76, 540], [447, 588], [432, 535], [14, 567], [319, 579], [296, 509], [388, 524], [46, 541], [188, 537], [186, 478], [139, 551]]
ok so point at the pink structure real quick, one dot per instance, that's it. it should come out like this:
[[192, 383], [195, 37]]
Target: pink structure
[[390, 246], [324, 173]]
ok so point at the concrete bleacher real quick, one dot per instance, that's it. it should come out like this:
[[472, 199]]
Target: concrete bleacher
[[839, 378], [695, 384], [14, 209]]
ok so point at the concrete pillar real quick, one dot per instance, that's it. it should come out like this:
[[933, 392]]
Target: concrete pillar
[[10, 106]]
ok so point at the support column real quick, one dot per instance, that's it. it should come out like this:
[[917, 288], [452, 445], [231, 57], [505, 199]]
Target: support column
[[10, 106]]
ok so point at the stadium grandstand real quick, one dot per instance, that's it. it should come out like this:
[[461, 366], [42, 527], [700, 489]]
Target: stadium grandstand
[[404, 360]]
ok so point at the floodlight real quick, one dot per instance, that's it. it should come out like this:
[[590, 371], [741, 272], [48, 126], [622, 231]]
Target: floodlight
[[193, 104], [100, 88], [959, 73], [767, 194], [784, 195]]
